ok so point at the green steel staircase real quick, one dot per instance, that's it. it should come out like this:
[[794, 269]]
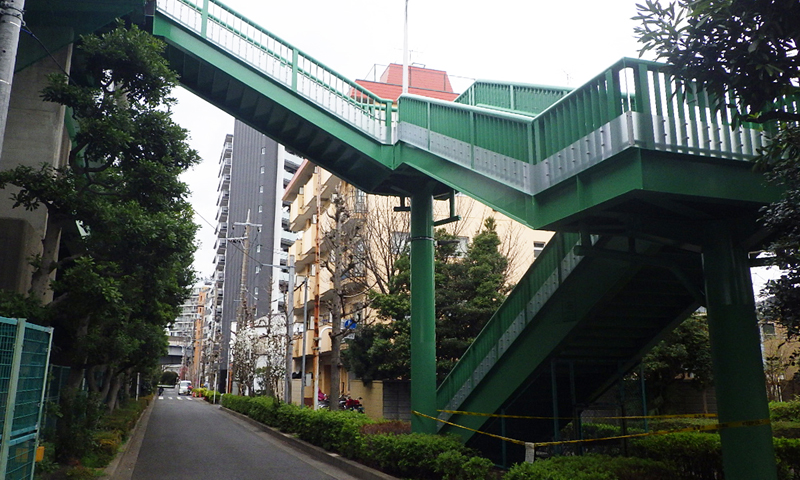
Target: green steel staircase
[[643, 176]]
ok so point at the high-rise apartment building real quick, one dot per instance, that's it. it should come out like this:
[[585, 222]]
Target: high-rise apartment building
[[252, 232]]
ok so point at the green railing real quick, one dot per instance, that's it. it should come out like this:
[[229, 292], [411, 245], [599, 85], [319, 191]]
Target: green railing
[[24, 357], [513, 97], [632, 104], [535, 288], [283, 63]]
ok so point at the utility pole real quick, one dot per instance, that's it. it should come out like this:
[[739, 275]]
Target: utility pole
[[287, 390], [10, 24], [315, 346], [305, 331], [243, 322]]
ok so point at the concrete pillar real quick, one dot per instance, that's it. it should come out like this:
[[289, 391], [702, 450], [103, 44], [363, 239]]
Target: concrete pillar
[[747, 450], [34, 135]]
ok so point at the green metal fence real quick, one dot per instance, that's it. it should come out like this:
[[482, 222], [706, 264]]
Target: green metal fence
[[24, 356], [631, 104], [535, 288], [513, 97], [283, 63]]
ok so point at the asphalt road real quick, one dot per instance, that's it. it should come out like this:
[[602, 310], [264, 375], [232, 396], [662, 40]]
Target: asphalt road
[[187, 438]]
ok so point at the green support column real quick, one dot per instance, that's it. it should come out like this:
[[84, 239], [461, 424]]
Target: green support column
[[736, 353], [423, 323]]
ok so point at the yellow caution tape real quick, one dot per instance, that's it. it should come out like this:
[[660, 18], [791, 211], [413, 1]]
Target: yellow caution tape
[[699, 428], [511, 440], [631, 417]]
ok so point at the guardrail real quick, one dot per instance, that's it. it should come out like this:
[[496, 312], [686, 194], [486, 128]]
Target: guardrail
[[284, 63], [512, 97], [631, 104]]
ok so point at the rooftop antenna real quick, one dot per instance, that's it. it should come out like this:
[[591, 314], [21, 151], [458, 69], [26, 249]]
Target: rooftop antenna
[[405, 51]]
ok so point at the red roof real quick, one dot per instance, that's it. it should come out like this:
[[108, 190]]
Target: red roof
[[421, 81], [393, 92], [418, 77]]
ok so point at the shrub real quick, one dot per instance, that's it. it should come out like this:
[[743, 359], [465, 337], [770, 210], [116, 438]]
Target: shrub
[[787, 453], [454, 465], [237, 403], [785, 429], [591, 467], [693, 455], [396, 427], [409, 456], [785, 411]]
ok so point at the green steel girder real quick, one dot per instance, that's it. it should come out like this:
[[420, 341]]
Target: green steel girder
[[590, 322], [212, 74], [58, 23], [686, 188]]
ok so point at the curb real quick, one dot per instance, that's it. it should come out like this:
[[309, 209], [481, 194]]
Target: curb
[[126, 458], [349, 466]]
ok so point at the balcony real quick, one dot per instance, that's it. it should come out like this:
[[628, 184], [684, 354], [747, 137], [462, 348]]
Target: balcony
[[288, 239], [225, 159], [220, 245], [224, 197], [222, 214], [224, 182]]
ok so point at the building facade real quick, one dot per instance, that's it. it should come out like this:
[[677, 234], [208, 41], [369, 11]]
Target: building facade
[[252, 243], [315, 195]]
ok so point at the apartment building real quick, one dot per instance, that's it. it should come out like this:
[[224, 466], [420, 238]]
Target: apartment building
[[252, 237], [313, 193]]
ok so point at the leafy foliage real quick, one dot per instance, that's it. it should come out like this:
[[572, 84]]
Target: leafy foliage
[[685, 354], [120, 216], [746, 51], [468, 291], [590, 467]]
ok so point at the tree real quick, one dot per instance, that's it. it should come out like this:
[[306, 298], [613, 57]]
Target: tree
[[684, 355], [746, 52], [468, 291], [119, 241], [345, 262]]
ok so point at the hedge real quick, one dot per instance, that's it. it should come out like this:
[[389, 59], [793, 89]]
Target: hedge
[[591, 467], [413, 456]]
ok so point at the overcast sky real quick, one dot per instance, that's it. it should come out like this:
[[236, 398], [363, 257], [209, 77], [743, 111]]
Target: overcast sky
[[562, 43]]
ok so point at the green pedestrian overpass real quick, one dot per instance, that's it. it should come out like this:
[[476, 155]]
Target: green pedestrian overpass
[[649, 186]]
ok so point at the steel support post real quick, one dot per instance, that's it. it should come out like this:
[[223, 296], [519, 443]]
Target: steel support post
[[423, 322], [747, 450]]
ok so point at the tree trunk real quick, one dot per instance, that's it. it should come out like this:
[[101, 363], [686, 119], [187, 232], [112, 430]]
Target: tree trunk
[[91, 381], [336, 353], [40, 280], [111, 400], [108, 377]]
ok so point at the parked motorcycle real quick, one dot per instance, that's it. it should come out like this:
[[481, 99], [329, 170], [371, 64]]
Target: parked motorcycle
[[348, 403]]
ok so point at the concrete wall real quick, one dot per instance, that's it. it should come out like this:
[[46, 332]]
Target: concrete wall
[[35, 134], [389, 399]]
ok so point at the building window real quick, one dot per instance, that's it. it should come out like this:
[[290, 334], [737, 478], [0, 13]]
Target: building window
[[262, 170], [399, 242], [768, 330], [360, 201], [537, 249]]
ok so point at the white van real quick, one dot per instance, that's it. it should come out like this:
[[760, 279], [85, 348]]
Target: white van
[[185, 387]]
